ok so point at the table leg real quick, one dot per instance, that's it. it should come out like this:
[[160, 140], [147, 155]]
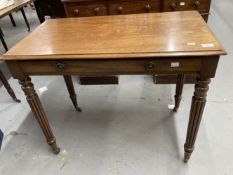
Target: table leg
[[179, 90], [70, 88], [2, 40], [38, 11], [25, 19], [1, 32], [8, 87], [37, 109], [12, 20], [197, 108]]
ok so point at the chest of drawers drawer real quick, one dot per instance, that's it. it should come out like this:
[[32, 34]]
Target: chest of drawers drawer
[[177, 5], [84, 10], [114, 67], [129, 7]]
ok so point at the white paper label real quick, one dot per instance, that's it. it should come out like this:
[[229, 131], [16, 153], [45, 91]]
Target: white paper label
[[182, 3], [43, 89], [171, 106], [207, 45], [175, 64], [191, 44]]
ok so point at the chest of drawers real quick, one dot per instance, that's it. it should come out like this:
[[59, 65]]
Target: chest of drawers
[[84, 8]]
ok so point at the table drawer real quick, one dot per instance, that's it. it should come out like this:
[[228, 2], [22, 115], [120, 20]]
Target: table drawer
[[111, 67], [84, 10], [202, 6], [129, 7]]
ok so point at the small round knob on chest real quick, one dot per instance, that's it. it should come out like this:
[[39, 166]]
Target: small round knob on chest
[[76, 11], [120, 9], [197, 4], [148, 7], [49, 7], [173, 6], [97, 10]]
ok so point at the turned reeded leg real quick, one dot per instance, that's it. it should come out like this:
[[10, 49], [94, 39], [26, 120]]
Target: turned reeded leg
[[37, 109], [70, 88], [197, 108], [8, 87], [179, 90]]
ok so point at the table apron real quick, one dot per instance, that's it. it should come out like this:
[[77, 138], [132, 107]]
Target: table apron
[[111, 67]]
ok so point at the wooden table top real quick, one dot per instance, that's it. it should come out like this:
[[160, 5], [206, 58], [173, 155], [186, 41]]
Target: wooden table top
[[123, 36], [18, 4]]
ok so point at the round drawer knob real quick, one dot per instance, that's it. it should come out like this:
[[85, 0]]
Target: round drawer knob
[[97, 10], [120, 9], [197, 4], [148, 7], [49, 6], [173, 6], [76, 11], [149, 66], [60, 66]]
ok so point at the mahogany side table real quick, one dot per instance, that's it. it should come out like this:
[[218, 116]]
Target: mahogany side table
[[156, 43]]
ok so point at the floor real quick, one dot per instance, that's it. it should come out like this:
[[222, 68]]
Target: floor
[[127, 129]]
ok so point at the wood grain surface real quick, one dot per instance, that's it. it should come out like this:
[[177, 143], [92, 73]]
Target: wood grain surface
[[132, 36]]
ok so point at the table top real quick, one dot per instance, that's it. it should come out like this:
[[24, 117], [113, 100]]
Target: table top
[[123, 36], [15, 6]]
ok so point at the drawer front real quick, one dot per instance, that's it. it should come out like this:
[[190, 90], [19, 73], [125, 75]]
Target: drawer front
[[84, 10], [111, 67], [146, 6], [203, 6]]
